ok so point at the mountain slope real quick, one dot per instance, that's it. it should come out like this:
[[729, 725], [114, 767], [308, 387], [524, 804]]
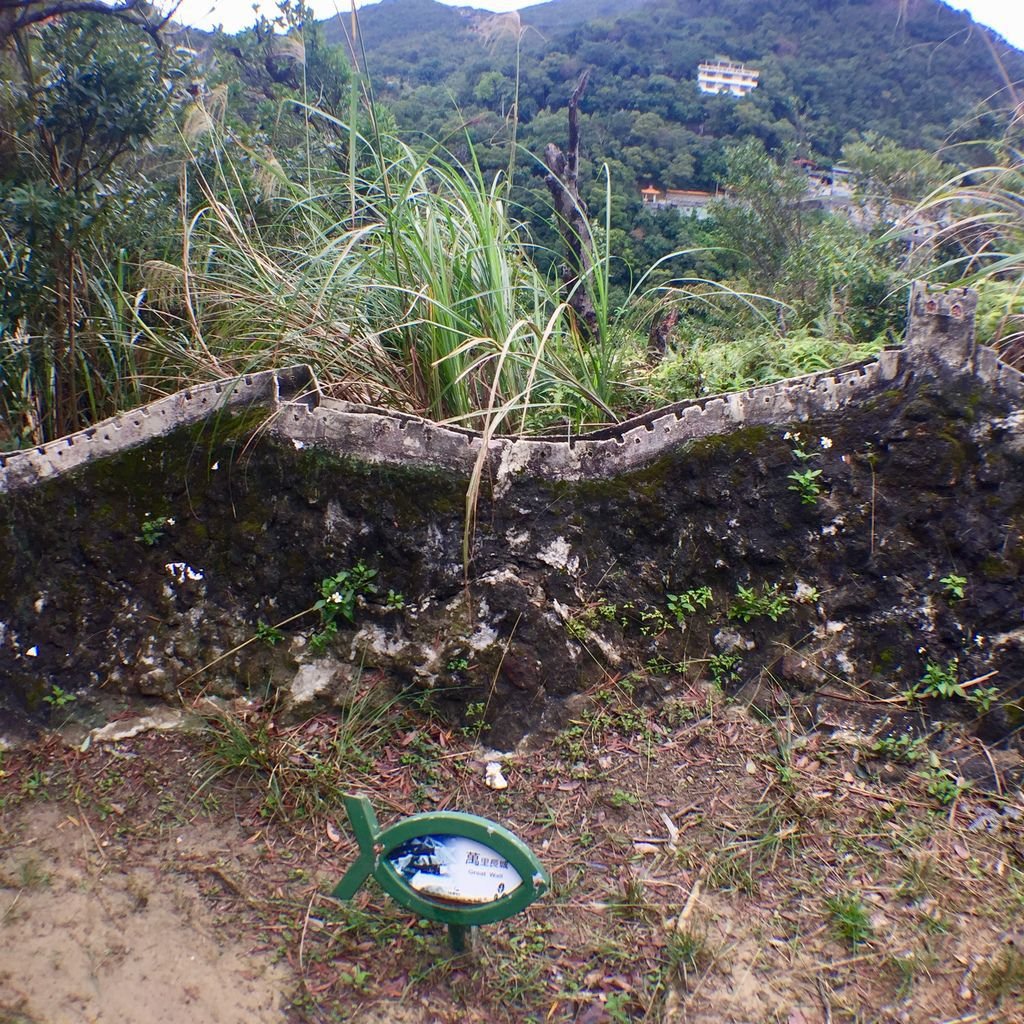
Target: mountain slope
[[915, 71]]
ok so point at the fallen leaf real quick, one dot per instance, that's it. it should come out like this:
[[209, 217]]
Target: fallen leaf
[[673, 832]]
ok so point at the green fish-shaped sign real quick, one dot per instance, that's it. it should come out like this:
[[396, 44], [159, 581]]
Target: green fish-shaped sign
[[459, 869]]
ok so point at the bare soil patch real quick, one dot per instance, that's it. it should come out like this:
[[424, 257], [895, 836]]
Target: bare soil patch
[[708, 867]]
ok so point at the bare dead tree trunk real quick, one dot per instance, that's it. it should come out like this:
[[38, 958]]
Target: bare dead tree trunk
[[571, 213]]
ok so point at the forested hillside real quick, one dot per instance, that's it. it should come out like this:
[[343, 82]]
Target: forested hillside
[[914, 72]]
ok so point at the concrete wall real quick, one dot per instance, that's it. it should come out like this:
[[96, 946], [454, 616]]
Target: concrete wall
[[918, 473]]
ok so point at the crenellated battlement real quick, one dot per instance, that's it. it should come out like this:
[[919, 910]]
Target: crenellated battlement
[[940, 338], [121, 433]]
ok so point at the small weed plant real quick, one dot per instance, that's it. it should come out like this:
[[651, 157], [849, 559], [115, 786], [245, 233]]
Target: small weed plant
[[620, 798], [955, 587], [577, 627], [686, 951], [270, 635], [590, 618], [32, 875], [905, 749], [941, 682], [35, 783], [631, 900], [982, 698], [807, 484], [850, 919], [942, 785], [771, 603], [937, 681], [58, 698], [677, 712], [617, 1007], [653, 622], [338, 595], [475, 725], [687, 603], [152, 530], [659, 665], [724, 668], [356, 978]]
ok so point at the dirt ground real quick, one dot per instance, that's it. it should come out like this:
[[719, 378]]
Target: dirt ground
[[708, 867], [93, 931]]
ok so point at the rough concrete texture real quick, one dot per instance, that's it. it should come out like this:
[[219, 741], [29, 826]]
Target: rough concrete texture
[[178, 531]]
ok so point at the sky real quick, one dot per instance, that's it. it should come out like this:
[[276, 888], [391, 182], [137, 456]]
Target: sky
[[1005, 16]]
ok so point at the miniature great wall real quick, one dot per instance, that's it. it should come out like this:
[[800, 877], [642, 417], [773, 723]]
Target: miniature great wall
[[942, 330], [257, 488]]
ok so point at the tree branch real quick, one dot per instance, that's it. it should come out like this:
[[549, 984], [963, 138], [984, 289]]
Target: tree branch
[[16, 15]]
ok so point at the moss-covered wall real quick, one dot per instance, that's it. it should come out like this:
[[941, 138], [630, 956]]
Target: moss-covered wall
[[142, 572]]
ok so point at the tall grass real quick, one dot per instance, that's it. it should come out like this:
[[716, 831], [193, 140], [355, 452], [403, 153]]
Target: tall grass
[[33, 378], [411, 285]]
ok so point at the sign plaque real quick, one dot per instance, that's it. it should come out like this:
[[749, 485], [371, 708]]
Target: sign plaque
[[447, 866]]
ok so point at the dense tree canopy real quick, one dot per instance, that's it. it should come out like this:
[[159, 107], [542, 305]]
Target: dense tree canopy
[[917, 74]]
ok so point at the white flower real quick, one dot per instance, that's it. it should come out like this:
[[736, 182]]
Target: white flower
[[826, 442], [170, 521], [336, 598], [786, 436]]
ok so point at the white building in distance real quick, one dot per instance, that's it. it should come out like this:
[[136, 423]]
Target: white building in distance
[[724, 76], [689, 202]]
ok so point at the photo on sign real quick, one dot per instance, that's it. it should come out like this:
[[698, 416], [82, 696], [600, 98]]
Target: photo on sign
[[454, 868]]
